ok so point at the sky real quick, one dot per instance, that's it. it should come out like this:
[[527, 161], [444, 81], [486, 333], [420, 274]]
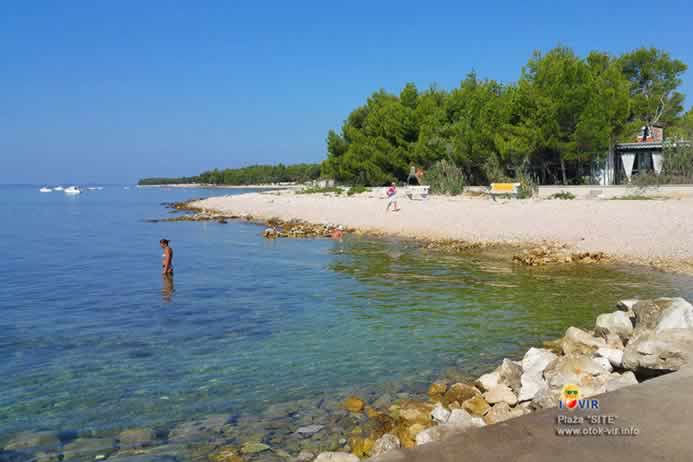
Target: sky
[[109, 92]]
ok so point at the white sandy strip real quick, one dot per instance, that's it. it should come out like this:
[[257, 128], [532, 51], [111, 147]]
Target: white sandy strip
[[641, 229]]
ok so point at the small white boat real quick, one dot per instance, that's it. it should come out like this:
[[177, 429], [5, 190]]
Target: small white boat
[[91, 188], [126, 187], [58, 188], [45, 189], [72, 190]]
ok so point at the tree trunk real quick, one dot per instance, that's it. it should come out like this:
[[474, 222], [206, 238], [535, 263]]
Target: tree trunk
[[565, 180]]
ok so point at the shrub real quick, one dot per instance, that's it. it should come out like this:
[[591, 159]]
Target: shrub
[[316, 190], [563, 195], [356, 190], [445, 178]]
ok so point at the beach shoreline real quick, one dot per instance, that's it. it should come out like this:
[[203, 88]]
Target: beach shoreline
[[656, 233]]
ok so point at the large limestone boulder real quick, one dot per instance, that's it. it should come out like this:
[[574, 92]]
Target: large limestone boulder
[[653, 353], [476, 406], [385, 443], [461, 419], [613, 355], [508, 373], [577, 341], [662, 313], [618, 323], [439, 414], [679, 315], [488, 381], [501, 412], [546, 399], [499, 394], [336, 457], [460, 392], [590, 375], [533, 364], [617, 380]]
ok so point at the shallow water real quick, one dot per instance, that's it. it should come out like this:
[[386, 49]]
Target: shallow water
[[94, 339]]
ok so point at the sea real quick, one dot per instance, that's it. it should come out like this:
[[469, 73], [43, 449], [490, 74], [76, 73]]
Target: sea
[[94, 340]]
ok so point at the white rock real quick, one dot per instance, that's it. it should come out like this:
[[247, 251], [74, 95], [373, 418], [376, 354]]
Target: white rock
[[387, 442], [578, 341], [440, 414], [536, 360], [627, 305], [428, 436], [336, 457], [617, 381], [618, 323], [460, 418], [604, 362], [589, 374], [613, 355], [499, 394], [488, 381], [677, 316], [534, 363], [532, 385]]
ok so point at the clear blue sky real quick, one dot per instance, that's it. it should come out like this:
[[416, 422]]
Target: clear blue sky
[[96, 91]]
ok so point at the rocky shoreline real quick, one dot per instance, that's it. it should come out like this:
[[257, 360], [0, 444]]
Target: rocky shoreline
[[530, 254], [641, 340]]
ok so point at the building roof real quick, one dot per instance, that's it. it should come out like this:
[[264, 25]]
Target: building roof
[[652, 145]]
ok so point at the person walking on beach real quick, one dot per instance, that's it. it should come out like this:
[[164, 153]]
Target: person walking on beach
[[413, 177], [392, 198], [167, 257]]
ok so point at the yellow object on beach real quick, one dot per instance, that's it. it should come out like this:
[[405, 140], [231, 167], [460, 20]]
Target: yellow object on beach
[[504, 188]]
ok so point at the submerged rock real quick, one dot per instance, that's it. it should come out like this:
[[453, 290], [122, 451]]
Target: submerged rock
[[28, 440], [336, 457], [136, 438], [353, 404], [253, 447], [88, 448], [385, 443], [309, 430]]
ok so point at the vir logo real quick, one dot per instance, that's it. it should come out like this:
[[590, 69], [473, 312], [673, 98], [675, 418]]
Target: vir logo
[[570, 399]]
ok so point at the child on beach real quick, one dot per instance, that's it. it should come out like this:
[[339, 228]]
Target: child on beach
[[392, 198]]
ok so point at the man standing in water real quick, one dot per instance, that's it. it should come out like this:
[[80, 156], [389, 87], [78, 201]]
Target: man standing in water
[[167, 257]]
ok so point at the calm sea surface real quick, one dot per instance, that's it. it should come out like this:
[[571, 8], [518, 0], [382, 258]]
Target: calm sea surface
[[92, 337]]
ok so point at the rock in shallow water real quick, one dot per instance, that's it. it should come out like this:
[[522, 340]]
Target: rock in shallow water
[[27, 440], [336, 457], [309, 430], [88, 448], [385, 443], [136, 438]]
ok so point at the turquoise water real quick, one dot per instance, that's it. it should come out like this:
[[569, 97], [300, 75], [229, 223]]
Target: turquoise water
[[94, 339]]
